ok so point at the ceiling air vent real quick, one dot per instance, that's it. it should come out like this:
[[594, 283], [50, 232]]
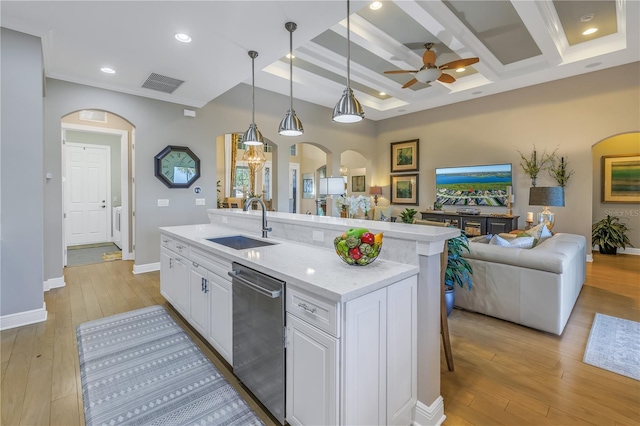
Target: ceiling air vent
[[162, 83]]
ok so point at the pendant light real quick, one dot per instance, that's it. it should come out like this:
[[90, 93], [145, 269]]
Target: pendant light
[[253, 135], [291, 124], [348, 109]]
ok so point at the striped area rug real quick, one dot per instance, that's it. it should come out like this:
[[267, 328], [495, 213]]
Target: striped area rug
[[141, 368]]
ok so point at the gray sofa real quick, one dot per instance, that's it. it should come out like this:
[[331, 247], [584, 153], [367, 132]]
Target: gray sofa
[[535, 287]]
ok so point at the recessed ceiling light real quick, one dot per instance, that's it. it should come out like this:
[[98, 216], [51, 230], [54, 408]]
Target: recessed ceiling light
[[183, 38], [289, 56], [461, 69], [375, 5], [108, 70], [382, 94], [477, 92], [593, 65], [587, 17], [402, 110], [589, 31]]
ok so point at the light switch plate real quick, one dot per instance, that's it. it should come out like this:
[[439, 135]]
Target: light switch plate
[[163, 202], [200, 201]]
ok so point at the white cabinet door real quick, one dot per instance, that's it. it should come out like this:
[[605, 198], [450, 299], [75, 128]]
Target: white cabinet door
[[180, 274], [402, 351], [199, 298], [364, 397], [166, 275], [220, 316], [312, 375]]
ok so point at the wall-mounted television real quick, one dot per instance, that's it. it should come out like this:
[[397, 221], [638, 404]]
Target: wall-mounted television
[[473, 185]]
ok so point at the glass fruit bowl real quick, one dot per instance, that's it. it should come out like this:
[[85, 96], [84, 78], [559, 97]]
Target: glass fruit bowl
[[358, 246]]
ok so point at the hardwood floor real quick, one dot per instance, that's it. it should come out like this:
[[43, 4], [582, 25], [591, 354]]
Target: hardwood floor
[[504, 373]]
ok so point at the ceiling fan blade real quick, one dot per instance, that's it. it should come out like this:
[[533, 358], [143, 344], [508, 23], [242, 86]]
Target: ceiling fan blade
[[459, 63], [400, 71], [410, 83], [429, 57], [446, 78]]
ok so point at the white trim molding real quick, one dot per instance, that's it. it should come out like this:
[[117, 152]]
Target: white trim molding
[[149, 267], [53, 283], [432, 415], [23, 318]]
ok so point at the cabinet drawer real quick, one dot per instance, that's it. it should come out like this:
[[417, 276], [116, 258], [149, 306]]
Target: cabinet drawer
[[211, 262], [181, 247], [320, 313], [167, 242]]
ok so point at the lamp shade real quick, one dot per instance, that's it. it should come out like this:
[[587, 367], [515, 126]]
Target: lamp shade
[[546, 196], [331, 186], [375, 190], [348, 109], [428, 75], [291, 125]]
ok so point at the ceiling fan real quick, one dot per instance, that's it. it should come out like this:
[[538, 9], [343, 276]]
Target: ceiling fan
[[430, 72]]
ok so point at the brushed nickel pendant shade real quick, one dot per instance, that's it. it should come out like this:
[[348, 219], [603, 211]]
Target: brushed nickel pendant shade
[[348, 109], [291, 124], [253, 136]]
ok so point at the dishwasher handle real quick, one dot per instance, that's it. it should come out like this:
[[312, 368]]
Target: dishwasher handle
[[270, 293]]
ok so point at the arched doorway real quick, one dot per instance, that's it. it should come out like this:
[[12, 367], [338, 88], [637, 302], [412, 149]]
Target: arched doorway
[[98, 191]]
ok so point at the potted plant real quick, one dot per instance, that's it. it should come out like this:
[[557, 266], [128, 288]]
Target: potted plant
[[458, 270], [609, 235], [407, 215]]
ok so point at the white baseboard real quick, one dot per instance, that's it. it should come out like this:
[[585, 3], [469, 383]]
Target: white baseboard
[[53, 283], [149, 267], [589, 258], [432, 415], [628, 250], [23, 318]]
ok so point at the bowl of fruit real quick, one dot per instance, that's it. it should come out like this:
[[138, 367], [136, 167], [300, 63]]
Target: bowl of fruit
[[358, 246]]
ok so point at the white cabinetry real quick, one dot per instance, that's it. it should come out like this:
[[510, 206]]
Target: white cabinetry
[[199, 295], [220, 321], [358, 371], [312, 375], [174, 279]]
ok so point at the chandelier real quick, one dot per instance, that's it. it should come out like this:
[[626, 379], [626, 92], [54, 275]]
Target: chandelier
[[254, 157]]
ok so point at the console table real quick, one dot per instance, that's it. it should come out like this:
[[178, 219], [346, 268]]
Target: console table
[[474, 224]]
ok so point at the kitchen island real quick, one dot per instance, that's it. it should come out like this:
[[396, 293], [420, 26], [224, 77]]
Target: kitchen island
[[354, 335]]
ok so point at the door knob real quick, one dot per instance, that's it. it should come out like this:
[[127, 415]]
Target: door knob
[[103, 206]]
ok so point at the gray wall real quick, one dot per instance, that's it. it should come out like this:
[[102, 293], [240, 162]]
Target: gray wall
[[21, 174], [571, 115], [113, 142], [158, 124]]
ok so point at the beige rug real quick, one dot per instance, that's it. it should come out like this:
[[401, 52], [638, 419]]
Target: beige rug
[[108, 257]]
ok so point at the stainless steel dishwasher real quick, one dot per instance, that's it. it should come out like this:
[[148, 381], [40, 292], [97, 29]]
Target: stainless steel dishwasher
[[258, 336]]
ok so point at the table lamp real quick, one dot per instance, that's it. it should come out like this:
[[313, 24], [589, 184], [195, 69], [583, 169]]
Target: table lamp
[[546, 196], [329, 186], [375, 191]]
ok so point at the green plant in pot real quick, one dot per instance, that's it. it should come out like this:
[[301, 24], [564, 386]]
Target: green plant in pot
[[458, 270], [407, 215], [609, 235]]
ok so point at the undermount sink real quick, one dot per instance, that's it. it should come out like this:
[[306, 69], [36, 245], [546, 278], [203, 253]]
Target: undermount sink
[[240, 242]]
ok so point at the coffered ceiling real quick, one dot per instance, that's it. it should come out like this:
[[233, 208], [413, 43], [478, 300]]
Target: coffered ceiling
[[519, 43]]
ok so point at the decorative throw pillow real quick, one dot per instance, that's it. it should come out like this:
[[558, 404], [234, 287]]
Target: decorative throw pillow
[[539, 233], [519, 242]]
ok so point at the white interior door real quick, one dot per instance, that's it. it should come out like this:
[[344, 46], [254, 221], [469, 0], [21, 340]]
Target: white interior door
[[294, 188], [87, 196]]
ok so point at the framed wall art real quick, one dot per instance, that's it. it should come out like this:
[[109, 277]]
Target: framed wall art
[[357, 183], [404, 156], [621, 178], [404, 189]]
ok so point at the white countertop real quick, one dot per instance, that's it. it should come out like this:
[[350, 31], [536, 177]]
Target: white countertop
[[314, 269]]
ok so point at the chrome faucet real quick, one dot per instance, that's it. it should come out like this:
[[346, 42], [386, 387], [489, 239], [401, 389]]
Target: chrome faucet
[[247, 203]]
